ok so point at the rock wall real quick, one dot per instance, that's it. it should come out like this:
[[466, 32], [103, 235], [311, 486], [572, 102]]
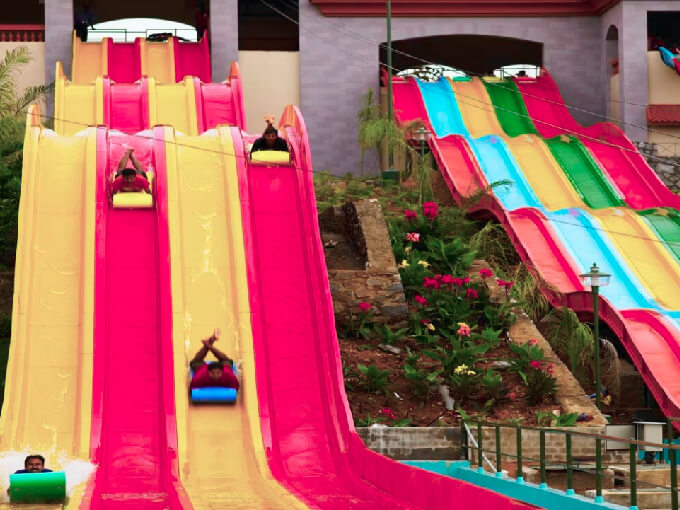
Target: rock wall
[[668, 169], [378, 284]]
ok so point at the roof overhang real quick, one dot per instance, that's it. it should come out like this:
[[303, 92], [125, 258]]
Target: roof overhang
[[460, 8]]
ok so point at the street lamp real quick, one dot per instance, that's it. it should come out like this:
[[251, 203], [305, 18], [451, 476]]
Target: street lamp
[[596, 279], [422, 134]]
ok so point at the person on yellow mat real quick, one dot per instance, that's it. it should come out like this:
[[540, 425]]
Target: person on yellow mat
[[270, 139], [130, 179]]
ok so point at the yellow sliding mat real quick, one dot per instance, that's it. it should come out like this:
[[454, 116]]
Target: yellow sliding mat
[[221, 454], [76, 106], [174, 104], [543, 173], [644, 253], [48, 390], [476, 108]]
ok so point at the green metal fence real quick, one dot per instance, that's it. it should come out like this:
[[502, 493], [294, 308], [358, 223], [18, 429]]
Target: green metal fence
[[468, 425]]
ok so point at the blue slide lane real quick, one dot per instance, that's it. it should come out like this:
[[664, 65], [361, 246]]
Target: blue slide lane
[[583, 238], [498, 164], [442, 108]]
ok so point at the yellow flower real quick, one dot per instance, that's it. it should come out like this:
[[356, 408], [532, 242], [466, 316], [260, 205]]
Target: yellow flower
[[430, 326], [471, 372], [404, 263], [424, 263], [407, 249], [460, 369]]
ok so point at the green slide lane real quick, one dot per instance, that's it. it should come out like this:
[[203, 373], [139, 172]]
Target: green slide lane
[[583, 172], [666, 224], [510, 108]]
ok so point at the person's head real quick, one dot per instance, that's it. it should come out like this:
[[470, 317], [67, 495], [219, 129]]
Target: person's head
[[270, 135], [34, 463], [215, 370], [522, 73], [129, 175]]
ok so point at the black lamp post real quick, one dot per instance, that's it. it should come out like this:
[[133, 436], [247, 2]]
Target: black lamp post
[[596, 279], [422, 134]]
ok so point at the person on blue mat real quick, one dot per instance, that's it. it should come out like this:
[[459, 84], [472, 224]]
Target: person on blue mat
[[216, 374], [270, 140], [33, 464]]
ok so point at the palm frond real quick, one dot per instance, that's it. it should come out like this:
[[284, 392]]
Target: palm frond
[[32, 95], [9, 67]]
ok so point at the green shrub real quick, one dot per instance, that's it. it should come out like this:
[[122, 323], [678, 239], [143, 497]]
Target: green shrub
[[373, 379]]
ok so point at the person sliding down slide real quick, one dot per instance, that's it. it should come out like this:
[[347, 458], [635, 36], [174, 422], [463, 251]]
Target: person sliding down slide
[[130, 179], [216, 374], [270, 139]]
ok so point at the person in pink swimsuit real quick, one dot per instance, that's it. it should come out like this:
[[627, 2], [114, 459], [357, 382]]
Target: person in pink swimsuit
[[130, 179], [218, 373]]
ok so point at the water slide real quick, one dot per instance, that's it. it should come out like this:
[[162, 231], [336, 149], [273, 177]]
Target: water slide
[[168, 62], [190, 106], [640, 305], [221, 453], [476, 108], [47, 390], [510, 109], [614, 152]]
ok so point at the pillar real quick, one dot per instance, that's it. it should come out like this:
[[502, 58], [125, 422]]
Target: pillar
[[633, 70], [223, 36], [58, 36]]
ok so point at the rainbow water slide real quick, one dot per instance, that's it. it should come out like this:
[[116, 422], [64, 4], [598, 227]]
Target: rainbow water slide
[[559, 231], [308, 432], [47, 390]]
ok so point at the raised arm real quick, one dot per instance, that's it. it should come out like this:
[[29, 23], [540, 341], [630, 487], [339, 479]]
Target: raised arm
[[122, 164], [135, 162]]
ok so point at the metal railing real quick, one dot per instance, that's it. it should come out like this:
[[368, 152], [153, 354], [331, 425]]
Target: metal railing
[[22, 33], [569, 465], [125, 35]]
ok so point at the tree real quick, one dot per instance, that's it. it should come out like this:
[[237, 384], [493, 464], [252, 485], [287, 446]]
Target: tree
[[12, 102]]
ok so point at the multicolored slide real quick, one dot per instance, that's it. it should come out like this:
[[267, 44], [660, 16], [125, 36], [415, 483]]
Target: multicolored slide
[[566, 205], [111, 304]]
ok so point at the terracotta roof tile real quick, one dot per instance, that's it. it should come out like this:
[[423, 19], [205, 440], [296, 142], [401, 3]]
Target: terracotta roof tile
[[663, 114]]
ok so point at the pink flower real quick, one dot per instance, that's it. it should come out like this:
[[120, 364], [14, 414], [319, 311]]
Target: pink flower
[[500, 282], [464, 329], [508, 285], [511, 395], [438, 277], [424, 321], [466, 280], [533, 341], [420, 300], [389, 413], [447, 279], [486, 273], [410, 215], [535, 364], [471, 294], [430, 210], [459, 281], [431, 283], [549, 368], [364, 306], [414, 237]]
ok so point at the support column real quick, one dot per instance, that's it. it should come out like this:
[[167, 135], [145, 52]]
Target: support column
[[58, 36], [633, 69], [223, 36]]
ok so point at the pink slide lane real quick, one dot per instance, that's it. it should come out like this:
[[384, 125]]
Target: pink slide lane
[[125, 64], [134, 437], [616, 155], [192, 59], [126, 105], [312, 447], [408, 103], [221, 103]]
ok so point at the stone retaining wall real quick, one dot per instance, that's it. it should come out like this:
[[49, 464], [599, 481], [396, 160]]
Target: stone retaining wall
[[668, 171], [380, 283], [413, 443]]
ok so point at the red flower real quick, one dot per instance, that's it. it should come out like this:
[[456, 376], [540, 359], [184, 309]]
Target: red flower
[[430, 210], [500, 282], [431, 283], [508, 285], [486, 273], [389, 413], [511, 396], [420, 300], [424, 321], [466, 280], [447, 279], [471, 294], [459, 281], [414, 237], [438, 277], [549, 368], [533, 342], [410, 215], [364, 306], [535, 364]]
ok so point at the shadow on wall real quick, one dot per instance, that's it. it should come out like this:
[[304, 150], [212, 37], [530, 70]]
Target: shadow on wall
[[478, 54]]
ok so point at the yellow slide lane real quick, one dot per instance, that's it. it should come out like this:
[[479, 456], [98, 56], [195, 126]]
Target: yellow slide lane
[[48, 390], [649, 259], [158, 60], [221, 454], [174, 104], [476, 108], [89, 61], [543, 172], [77, 106]]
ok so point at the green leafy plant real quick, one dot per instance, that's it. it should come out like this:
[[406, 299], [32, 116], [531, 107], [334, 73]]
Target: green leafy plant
[[421, 378], [492, 382], [388, 335], [463, 381], [404, 422], [452, 256], [540, 385], [548, 419], [350, 376], [373, 379], [526, 354], [368, 420]]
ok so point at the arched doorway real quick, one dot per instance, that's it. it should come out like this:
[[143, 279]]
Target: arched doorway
[[474, 54]]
